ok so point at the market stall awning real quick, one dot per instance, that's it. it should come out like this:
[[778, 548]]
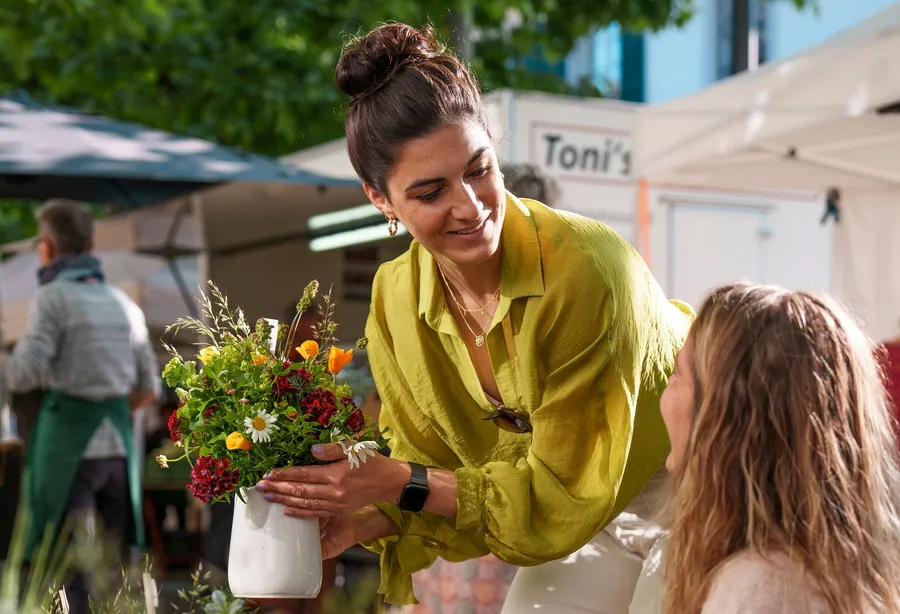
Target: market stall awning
[[53, 152], [824, 121]]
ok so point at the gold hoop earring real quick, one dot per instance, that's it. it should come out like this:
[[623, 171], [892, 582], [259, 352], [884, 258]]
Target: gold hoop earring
[[393, 226]]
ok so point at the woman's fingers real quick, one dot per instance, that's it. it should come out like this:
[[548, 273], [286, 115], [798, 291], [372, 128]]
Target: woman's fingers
[[329, 452], [309, 475], [299, 490], [310, 507]]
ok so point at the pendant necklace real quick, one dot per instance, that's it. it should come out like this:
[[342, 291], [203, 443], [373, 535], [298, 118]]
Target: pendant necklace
[[479, 338]]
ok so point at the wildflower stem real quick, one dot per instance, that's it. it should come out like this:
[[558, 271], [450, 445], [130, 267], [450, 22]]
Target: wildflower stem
[[183, 456]]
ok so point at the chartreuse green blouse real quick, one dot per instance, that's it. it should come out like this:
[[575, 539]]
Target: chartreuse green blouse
[[583, 342]]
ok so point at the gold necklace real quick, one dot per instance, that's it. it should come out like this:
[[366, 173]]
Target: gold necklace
[[479, 339], [490, 302]]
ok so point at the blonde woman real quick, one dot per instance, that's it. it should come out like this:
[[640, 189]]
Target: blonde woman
[[784, 457]]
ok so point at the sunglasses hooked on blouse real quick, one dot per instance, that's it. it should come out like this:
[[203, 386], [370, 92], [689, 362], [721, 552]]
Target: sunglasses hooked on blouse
[[510, 420]]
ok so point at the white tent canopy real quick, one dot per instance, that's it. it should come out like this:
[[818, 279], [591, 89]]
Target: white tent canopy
[[828, 117], [808, 122]]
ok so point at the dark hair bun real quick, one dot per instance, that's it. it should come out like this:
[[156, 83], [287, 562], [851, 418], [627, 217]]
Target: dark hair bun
[[369, 61]]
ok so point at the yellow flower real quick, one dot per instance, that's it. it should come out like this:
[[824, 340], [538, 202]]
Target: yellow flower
[[308, 349], [236, 441], [338, 359], [290, 415], [259, 359], [207, 354]]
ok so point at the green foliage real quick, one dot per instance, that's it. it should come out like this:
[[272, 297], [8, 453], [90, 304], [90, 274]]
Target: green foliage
[[259, 75], [35, 589]]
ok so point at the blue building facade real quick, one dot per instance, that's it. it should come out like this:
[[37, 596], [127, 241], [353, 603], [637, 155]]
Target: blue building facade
[[660, 66]]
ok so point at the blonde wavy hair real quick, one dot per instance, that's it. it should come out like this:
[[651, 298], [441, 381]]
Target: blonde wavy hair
[[791, 450]]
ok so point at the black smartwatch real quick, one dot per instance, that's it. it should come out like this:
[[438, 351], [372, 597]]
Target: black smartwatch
[[415, 493]]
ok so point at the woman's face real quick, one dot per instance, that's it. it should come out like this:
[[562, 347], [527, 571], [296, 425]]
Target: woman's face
[[677, 405], [447, 190]]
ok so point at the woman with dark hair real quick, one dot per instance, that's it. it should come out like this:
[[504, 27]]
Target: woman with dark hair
[[520, 354], [445, 585]]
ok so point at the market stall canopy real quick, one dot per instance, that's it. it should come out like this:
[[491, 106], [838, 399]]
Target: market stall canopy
[[825, 117], [53, 152], [825, 121]]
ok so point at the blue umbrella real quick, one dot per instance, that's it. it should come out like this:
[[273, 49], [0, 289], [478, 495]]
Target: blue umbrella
[[54, 152]]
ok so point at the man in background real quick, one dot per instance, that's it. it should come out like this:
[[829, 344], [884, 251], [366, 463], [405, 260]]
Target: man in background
[[86, 345], [526, 180]]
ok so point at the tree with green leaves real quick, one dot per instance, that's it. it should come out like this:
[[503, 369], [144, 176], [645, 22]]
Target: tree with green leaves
[[259, 75]]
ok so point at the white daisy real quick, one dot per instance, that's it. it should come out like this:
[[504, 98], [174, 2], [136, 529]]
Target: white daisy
[[358, 452], [260, 428], [337, 436]]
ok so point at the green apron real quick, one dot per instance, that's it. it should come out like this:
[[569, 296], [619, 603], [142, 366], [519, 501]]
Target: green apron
[[65, 426]]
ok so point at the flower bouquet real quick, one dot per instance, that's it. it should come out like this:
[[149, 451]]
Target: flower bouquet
[[247, 409]]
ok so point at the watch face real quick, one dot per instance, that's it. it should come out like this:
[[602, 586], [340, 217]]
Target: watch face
[[413, 498]]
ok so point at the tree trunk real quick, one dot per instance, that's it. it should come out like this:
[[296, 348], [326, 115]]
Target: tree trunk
[[740, 36]]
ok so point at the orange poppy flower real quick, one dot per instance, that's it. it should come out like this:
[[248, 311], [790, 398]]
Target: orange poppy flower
[[237, 441], [308, 349], [338, 359]]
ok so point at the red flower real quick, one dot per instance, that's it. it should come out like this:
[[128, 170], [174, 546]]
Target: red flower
[[319, 404], [304, 376], [283, 385], [210, 410], [356, 421], [292, 382], [176, 425], [212, 478]]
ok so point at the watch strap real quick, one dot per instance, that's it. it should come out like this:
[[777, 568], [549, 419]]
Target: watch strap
[[419, 475], [415, 493]]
